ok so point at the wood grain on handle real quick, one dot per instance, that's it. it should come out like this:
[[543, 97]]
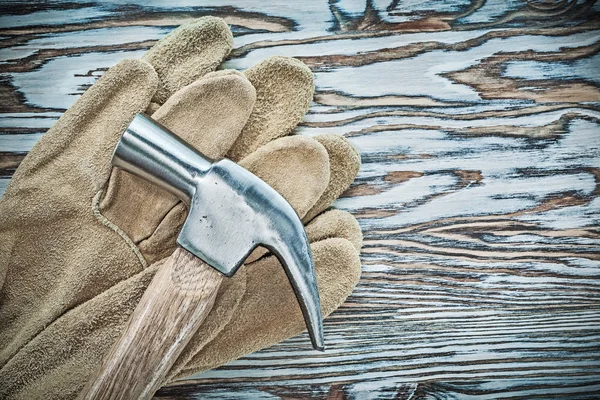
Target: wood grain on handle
[[178, 299]]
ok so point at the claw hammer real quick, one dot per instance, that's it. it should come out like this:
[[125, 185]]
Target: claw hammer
[[231, 212]]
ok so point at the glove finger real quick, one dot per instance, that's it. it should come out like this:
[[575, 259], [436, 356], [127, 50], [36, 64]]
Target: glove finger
[[296, 166], [90, 129], [209, 114], [335, 223], [284, 88], [269, 312], [344, 163], [188, 53]]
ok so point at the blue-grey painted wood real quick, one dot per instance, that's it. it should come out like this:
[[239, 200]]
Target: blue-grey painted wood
[[479, 127]]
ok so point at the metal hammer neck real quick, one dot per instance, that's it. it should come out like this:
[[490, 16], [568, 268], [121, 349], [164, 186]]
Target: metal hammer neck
[[166, 160]]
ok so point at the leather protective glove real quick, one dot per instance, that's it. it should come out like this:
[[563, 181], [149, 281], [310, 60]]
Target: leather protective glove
[[80, 240]]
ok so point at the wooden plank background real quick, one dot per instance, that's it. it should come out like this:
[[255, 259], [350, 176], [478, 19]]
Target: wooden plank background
[[478, 124]]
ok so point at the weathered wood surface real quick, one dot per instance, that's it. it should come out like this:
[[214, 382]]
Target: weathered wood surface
[[478, 123]]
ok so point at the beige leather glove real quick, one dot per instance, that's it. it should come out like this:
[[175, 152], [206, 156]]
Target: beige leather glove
[[80, 241]]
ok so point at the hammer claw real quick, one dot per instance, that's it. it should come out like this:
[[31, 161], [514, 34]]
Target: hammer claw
[[294, 259]]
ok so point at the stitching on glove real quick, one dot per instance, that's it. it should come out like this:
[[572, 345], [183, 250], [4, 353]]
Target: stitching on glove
[[108, 223]]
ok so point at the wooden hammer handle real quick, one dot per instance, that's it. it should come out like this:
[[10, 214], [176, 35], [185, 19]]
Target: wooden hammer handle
[[178, 299]]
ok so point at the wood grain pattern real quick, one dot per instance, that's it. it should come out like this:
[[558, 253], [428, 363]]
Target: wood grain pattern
[[177, 301], [479, 128]]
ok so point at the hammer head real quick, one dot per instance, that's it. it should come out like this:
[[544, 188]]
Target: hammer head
[[231, 210]]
